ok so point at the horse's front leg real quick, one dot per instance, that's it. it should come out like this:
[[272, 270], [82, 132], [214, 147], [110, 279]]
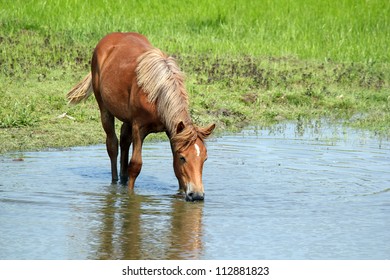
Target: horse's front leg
[[125, 142], [138, 135]]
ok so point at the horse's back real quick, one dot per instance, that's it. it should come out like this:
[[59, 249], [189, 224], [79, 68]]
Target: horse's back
[[115, 59], [122, 38], [120, 46], [113, 73]]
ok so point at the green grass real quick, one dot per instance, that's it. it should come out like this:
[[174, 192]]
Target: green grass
[[346, 30], [246, 62]]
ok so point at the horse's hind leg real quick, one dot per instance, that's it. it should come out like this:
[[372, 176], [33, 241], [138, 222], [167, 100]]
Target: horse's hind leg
[[108, 122], [125, 142]]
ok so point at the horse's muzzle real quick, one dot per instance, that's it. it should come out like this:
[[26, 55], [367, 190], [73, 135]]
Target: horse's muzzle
[[194, 196]]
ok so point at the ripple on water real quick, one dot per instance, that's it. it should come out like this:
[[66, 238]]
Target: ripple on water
[[289, 192]]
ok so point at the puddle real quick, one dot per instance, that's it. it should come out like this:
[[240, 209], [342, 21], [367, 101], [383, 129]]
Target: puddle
[[290, 192]]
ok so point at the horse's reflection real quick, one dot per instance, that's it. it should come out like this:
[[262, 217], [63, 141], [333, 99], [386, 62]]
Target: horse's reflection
[[148, 227]]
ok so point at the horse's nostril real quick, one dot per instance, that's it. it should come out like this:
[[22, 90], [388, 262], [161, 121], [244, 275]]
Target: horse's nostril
[[189, 196], [192, 196]]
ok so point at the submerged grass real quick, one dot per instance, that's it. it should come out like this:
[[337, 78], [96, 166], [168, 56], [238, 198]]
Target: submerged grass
[[246, 62]]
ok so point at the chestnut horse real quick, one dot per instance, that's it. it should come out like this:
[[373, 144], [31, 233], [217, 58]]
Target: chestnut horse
[[144, 88]]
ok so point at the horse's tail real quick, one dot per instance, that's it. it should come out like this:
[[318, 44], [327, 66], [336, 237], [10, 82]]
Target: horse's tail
[[81, 91]]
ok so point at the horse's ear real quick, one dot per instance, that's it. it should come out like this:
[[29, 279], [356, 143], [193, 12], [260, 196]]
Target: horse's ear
[[206, 131], [180, 127], [210, 129]]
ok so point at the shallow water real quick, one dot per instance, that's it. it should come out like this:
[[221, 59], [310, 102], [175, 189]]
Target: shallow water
[[290, 192]]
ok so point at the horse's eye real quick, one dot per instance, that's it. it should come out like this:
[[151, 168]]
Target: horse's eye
[[182, 159]]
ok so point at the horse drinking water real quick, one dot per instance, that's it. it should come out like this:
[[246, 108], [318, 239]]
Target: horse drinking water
[[144, 88]]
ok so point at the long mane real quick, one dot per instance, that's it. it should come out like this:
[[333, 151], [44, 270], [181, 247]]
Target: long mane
[[162, 80]]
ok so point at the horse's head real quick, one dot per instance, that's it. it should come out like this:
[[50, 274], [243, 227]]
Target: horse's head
[[189, 155]]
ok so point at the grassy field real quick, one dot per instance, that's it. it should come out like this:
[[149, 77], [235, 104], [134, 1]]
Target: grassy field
[[246, 62]]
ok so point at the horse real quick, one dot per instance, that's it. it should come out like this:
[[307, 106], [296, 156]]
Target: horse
[[143, 87]]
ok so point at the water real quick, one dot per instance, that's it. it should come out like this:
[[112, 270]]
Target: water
[[290, 192]]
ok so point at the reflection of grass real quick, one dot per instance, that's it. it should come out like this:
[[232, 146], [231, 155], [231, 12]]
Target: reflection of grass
[[245, 62]]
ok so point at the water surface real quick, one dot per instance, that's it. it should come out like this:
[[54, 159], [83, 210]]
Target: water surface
[[289, 192]]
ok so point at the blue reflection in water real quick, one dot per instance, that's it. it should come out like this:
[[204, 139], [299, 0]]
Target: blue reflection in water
[[290, 192]]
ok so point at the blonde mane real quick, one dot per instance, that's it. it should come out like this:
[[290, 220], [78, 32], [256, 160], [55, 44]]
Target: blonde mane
[[161, 79]]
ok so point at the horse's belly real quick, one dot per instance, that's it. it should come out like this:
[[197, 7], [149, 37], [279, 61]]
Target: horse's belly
[[132, 107]]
